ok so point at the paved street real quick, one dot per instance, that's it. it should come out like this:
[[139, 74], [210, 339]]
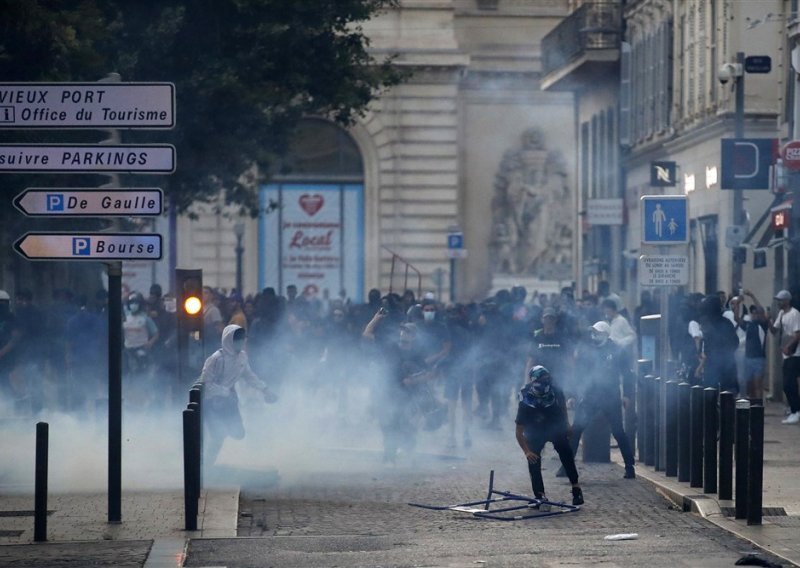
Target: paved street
[[359, 517]]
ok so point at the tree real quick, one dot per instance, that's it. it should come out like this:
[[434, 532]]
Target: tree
[[245, 71]]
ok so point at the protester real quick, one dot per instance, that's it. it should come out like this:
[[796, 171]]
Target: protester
[[755, 326], [787, 327]]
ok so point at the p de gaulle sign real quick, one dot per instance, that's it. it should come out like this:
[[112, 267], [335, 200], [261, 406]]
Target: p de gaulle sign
[[75, 202], [89, 246]]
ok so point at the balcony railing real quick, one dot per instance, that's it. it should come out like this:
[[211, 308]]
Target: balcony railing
[[593, 26]]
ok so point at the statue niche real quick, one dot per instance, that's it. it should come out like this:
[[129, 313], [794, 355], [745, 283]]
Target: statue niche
[[531, 213]]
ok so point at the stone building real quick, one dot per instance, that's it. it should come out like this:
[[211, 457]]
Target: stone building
[[470, 140]]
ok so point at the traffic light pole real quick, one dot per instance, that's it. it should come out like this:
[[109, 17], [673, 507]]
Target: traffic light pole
[[114, 392], [738, 196]]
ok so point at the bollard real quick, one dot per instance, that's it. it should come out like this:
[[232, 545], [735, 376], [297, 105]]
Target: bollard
[[196, 437], [189, 500], [671, 429], [40, 488], [696, 436], [727, 420], [684, 433], [649, 421], [755, 468], [658, 417], [742, 455], [643, 367], [710, 421]]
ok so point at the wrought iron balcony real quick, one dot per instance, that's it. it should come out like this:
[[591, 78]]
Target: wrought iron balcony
[[592, 33]]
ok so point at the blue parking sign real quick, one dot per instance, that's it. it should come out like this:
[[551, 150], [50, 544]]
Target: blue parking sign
[[665, 219]]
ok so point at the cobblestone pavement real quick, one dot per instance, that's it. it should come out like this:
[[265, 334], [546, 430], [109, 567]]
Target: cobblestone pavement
[[359, 516], [122, 554]]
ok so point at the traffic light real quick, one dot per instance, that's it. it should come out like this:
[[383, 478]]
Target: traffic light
[[190, 299]]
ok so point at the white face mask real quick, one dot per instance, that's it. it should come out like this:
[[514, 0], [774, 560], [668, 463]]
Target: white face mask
[[238, 345], [428, 316]]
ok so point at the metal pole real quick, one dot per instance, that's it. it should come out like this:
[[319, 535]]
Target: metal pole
[[658, 424], [644, 368], [710, 420], [727, 419], [684, 431], [189, 498], [696, 437], [738, 196], [452, 279], [40, 488], [195, 433], [661, 423], [649, 421], [755, 484], [742, 456], [114, 392], [671, 430]]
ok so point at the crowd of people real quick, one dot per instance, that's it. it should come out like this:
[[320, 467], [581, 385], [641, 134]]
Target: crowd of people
[[430, 365]]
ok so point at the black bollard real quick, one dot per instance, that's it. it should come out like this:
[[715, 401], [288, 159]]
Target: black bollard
[[710, 425], [742, 455], [684, 432], [40, 488], [755, 468], [196, 448], [696, 436], [649, 421], [189, 499], [643, 368], [671, 430], [658, 430], [727, 420]]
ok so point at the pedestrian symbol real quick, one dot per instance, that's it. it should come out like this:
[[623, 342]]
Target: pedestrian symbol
[[665, 219]]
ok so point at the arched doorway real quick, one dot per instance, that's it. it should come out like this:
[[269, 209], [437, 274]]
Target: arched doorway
[[311, 228]]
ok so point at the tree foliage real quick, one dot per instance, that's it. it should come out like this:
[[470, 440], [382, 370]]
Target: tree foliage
[[245, 71]]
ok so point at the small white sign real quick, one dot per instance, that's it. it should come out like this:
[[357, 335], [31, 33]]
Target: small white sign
[[74, 158], [456, 253], [663, 270], [605, 211], [89, 246], [87, 105], [121, 202]]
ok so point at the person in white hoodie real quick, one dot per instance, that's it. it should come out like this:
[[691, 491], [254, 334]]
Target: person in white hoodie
[[221, 371]]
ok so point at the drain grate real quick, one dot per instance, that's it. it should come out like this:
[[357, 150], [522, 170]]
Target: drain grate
[[765, 512]]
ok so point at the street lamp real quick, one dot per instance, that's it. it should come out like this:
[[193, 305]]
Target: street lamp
[[238, 230]]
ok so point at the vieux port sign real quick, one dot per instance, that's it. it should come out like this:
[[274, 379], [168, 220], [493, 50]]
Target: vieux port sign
[[88, 106]]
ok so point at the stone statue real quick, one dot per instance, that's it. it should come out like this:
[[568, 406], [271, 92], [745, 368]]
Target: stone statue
[[531, 209]]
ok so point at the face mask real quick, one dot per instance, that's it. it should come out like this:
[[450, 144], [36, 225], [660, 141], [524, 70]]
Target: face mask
[[428, 316], [133, 307], [238, 345]]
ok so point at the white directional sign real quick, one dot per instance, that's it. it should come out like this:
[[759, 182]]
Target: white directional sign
[[121, 202], [663, 270], [89, 246], [74, 158], [457, 253], [605, 212], [87, 105]]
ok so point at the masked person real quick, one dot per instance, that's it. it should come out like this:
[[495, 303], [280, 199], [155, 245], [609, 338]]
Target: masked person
[[541, 418], [221, 372], [140, 333], [600, 368]]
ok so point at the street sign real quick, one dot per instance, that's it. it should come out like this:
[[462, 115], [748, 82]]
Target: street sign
[[663, 270], [663, 174], [604, 212], [87, 105], [746, 162], [75, 158], [455, 240], [791, 155], [456, 253], [665, 219], [85, 202], [758, 64], [89, 246]]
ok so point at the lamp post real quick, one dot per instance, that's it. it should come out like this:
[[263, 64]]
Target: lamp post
[[238, 230]]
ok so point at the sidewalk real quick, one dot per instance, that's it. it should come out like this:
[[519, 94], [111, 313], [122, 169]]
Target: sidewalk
[[778, 533], [146, 516]]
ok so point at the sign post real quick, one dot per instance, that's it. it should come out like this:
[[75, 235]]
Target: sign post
[[455, 249], [89, 246]]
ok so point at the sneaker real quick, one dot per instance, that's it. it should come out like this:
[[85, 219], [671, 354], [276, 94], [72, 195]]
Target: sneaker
[[793, 418], [630, 472], [561, 472], [577, 496]]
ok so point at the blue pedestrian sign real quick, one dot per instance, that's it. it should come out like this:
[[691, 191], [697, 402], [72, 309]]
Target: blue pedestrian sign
[[665, 219]]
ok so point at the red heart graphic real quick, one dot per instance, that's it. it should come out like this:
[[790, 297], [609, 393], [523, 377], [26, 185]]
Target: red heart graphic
[[311, 203]]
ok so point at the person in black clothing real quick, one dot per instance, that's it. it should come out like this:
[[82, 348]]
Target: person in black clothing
[[720, 342], [552, 348], [541, 418], [755, 328], [600, 366]]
